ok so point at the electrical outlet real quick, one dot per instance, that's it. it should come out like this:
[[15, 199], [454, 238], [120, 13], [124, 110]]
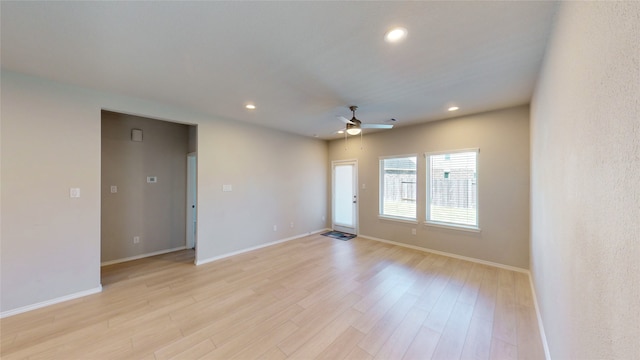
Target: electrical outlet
[[413, 231], [323, 218], [136, 239], [291, 225], [114, 189], [275, 227]]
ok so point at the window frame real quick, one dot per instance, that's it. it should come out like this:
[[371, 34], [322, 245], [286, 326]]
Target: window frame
[[448, 225], [381, 215]]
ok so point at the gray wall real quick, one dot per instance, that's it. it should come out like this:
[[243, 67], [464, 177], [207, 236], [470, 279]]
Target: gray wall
[[50, 243], [50, 141], [277, 178], [503, 180], [585, 189], [156, 212]]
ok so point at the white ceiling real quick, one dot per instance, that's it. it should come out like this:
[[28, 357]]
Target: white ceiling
[[301, 63]]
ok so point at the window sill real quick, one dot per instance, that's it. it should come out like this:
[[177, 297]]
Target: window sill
[[398, 219], [453, 227]]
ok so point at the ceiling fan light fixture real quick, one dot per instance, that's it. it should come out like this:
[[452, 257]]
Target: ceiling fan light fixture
[[354, 131], [395, 35]]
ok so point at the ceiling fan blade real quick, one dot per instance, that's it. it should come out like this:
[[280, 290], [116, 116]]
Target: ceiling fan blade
[[376, 126], [344, 120]]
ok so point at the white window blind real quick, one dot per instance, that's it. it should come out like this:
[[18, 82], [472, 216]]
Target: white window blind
[[452, 188], [398, 187]]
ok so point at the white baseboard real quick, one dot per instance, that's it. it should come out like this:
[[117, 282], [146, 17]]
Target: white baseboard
[[543, 335], [223, 256], [42, 304], [111, 262], [466, 258]]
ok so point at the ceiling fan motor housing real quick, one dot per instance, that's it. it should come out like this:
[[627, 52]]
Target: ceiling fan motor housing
[[354, 125], [355, 122]]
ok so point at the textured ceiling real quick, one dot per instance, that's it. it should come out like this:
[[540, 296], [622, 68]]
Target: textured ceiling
[[301, 63]]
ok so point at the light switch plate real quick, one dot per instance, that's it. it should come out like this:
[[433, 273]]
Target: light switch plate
[[152, 179], [227, 187], [74, 192], [114, 189]]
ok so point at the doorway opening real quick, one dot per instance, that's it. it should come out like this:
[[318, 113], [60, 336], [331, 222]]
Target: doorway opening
[[144, 191]]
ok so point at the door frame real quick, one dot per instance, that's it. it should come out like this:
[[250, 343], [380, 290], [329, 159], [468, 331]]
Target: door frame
[[356, 218]]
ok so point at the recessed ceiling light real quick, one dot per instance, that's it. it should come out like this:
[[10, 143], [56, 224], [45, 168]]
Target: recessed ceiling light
[[395, 35], [340, 131], [453, 108], [250, 106]]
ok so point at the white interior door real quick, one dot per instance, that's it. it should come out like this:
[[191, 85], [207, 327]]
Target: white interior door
[[345, 196], [191, 200]]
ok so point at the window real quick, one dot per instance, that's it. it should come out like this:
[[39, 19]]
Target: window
[[398, 187], [452, 189]]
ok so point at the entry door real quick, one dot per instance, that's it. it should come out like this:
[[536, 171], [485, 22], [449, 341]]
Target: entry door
[[345, 196], [192, 224]]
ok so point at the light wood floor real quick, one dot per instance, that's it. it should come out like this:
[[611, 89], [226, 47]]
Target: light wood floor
[[312, 298]]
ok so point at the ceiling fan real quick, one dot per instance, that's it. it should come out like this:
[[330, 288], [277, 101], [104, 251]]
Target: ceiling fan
[[355, 126]]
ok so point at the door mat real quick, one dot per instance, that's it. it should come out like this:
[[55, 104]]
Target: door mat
[[339, 235]]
